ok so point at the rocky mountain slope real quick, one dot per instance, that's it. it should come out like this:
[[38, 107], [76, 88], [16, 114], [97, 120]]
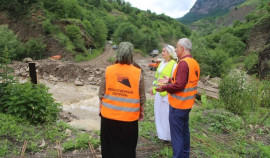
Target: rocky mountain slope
[[208, 8]]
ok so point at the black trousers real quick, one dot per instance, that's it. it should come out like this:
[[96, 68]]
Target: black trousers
[[118, 139]]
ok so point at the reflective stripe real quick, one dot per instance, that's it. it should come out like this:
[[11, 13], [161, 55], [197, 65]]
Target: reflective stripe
[[126, 100], [189, 89], [182, 98], [120, 108]]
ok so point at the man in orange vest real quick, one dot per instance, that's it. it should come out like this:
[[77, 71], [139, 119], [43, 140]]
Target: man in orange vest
[[122, 98], [181, 96]]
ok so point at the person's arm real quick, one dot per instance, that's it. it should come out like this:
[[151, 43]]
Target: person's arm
[[181, 79], [142, 97], [102, 89]]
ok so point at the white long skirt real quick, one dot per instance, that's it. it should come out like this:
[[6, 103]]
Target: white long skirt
[[161, 109]]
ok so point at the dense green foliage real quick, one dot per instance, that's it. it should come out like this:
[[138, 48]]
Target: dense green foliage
[[16, 7], [218, 49], [34, 49], [30, 102], [93, 22], [9, 41], [240, 95]]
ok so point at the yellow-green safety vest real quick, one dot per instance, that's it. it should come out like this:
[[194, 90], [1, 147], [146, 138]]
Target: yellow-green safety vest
[[167, 71]]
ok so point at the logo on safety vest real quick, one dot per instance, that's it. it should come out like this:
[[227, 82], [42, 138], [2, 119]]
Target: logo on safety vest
[[124, 81]]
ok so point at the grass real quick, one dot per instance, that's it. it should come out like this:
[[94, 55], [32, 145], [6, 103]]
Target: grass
[[215, 132]]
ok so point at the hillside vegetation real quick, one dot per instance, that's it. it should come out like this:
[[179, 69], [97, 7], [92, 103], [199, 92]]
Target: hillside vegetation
[[220, 49], [76, 28], [236, 125]]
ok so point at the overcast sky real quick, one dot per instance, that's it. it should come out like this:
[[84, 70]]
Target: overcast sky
[[172, 8]]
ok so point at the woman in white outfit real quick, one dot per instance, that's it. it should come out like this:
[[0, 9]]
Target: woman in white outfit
[[161, 103]]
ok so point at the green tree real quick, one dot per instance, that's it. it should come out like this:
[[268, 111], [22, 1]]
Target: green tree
[[35, 48], [64, 8], [130, 33], [74, 34], [101, 33], [10, 41], [16, 7], [89, 28], [231, 44]]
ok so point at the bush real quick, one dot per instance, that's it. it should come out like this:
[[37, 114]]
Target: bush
[[35, 48], [74, 34], [213, 62], [10, 41], [64, 8], [49, 28], [29, 102], [16, 7], [231, 44], [251, 63], [239, 95]]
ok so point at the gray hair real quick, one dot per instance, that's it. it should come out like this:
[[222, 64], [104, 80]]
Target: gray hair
[[171, 51], [186, 43], [124, 54]]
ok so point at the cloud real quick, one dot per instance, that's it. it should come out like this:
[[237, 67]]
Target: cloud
[[172, 8]]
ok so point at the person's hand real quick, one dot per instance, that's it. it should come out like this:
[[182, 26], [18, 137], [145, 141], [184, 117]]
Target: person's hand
[[141, 117], [159, 89], [151, 91], [164, 80]]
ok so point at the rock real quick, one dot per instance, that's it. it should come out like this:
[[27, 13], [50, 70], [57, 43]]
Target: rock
[[68, 132], [24, 74], [78, 82], [86, 69], [91, 78], [58, 147], [75, 152], [94, 88], [52, 78], [97, 72], [93, 83], [17, 72], [43, 143], [27, 60]]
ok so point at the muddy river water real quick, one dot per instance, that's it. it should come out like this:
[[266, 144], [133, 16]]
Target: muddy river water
[[80, 101]]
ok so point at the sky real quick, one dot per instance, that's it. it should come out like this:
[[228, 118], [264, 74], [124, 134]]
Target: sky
[[172, 8]]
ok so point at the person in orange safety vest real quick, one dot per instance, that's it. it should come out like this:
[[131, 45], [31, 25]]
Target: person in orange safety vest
[[182, 91], [122, 98]]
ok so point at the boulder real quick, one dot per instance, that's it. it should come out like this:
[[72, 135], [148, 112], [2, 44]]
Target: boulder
[[27, 60]]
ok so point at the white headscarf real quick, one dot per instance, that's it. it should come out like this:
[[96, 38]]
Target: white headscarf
[[171, 51]]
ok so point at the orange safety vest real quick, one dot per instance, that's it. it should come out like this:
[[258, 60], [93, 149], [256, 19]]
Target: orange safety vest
[[185, 99], [121, 100]]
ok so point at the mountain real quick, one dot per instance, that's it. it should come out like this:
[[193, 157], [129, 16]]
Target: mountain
[[209, 8]]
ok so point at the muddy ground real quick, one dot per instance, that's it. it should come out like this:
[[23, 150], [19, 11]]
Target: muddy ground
[[76, 85]]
